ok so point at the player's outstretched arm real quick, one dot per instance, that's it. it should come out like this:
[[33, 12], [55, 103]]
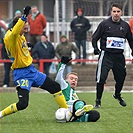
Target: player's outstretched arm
[[59, 75]]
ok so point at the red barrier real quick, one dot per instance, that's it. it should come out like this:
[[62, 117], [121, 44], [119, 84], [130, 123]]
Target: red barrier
[[54, 60], [41, 61]]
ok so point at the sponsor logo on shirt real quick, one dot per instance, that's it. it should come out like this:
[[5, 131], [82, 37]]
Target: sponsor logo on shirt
[[115, 42]]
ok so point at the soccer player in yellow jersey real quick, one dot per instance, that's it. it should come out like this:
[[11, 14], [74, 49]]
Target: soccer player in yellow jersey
[[24, 72]]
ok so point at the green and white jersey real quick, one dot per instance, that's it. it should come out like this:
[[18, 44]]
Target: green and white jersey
[[69, 93]]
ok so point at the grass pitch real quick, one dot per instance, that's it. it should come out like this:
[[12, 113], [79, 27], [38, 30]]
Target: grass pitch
[[39, 116]]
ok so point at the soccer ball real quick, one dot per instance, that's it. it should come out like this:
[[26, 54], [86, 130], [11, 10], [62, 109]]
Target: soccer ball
[[63, 115]]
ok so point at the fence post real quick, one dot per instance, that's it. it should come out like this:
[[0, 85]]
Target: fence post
[[41, 65]]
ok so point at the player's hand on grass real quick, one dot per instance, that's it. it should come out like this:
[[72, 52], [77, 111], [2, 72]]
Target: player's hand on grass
[[65, 59]]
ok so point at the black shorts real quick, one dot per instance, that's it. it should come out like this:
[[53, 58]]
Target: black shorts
[[108, 61]]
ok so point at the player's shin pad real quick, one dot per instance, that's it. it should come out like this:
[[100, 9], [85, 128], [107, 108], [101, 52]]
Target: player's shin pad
[[9, 110], [60, 99]]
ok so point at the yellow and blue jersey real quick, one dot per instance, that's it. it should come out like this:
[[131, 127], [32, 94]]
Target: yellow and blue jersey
[[16, 47]]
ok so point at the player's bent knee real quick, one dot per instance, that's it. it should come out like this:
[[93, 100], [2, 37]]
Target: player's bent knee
[[93, 116], [22, 104]]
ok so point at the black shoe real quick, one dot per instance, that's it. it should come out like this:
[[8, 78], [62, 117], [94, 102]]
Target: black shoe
[[98, 103], [83, 63], [120, 100]]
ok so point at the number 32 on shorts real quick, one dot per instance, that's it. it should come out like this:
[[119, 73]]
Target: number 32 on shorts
[[23, 82]]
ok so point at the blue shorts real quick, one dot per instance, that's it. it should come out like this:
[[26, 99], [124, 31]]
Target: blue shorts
[[28, 77]]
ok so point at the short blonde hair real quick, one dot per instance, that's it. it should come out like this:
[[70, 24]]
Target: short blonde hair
[[74, 73]]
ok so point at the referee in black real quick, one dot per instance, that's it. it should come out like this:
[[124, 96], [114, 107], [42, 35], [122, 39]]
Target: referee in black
[[112, 33]]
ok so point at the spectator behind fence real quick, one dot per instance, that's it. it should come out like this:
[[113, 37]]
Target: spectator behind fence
[[131, 27], [65, 48], [7, 65], [17, 13], [44, 49], [37, 23], [3, 29], [80, 25]]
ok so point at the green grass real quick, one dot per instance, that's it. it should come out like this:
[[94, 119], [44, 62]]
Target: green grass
[[39, 116]]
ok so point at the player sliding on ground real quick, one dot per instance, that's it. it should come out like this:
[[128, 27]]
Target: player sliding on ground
[[80, 111], [24, 72]]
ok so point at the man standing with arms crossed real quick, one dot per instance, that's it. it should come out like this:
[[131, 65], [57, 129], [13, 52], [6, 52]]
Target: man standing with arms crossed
[[112, 33], [37, 23]]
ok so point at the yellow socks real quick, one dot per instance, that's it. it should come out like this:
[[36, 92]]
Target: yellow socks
[[9, 110], [60, 99]]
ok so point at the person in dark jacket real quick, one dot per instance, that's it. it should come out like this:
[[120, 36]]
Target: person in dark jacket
[[7, 65], [80, 25], [44, 50], [3, 29], [112, 33], [17, 13]]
